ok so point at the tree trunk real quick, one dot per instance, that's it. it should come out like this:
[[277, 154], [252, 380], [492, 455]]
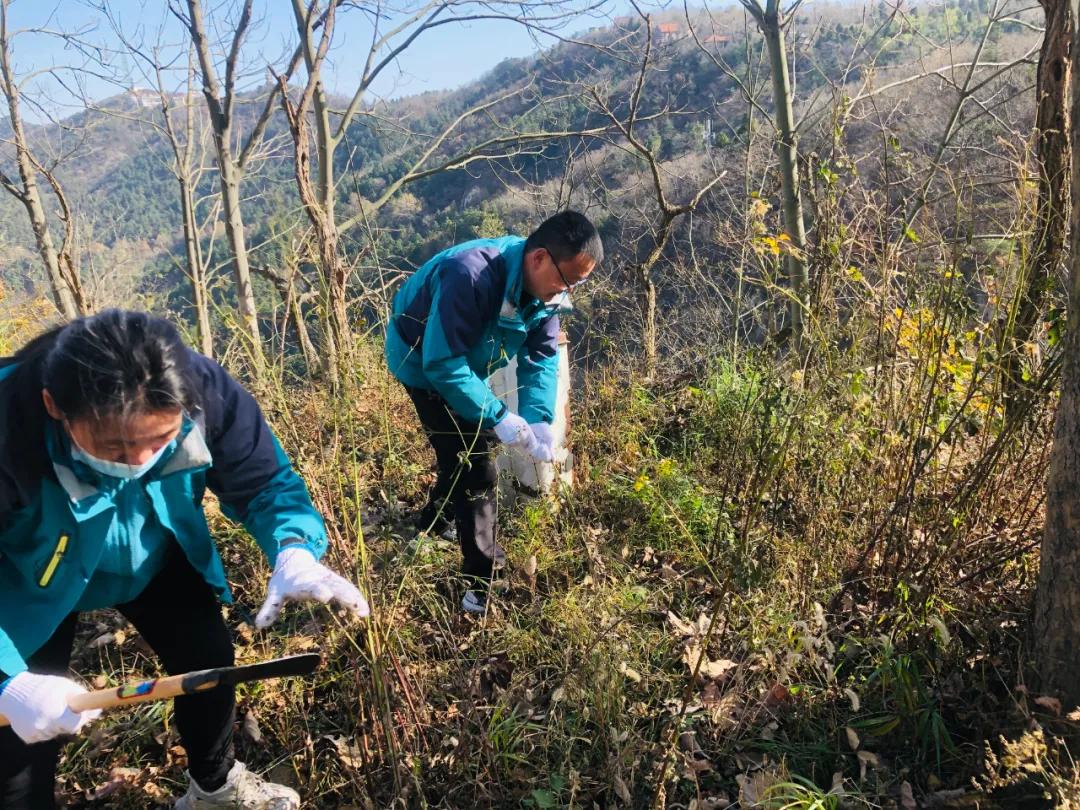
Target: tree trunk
[[62, 295], [196, 271], [1057, 602], [307, 348], [648, 315], [29, 195], [787, 152], [1052, 119], [234, 231], [317, 195]]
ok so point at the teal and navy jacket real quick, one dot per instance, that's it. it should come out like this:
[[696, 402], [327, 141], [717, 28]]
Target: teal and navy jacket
[[461, 317], [59, 519]]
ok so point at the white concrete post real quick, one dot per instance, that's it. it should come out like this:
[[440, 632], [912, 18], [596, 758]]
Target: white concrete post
[[519, 474]]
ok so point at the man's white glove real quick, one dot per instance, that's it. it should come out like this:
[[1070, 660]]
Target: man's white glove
[[36, 706], [545, 441], [299, 577], [514, 431]]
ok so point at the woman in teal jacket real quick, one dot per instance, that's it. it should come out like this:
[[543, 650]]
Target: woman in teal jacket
[[112, 431]]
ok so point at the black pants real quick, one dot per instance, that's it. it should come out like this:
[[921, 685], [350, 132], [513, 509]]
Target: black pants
[[465, 488], [180, 618]]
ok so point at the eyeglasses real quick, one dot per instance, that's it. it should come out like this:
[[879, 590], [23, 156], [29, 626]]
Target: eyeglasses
[[569, 287]]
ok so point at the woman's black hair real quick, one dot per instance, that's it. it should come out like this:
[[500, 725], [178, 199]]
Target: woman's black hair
[[117, 363], [114, 363]]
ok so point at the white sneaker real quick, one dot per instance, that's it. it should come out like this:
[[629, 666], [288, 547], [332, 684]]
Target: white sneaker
[[243, 790], [474, 602]]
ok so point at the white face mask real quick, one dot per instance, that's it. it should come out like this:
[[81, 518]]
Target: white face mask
[[558, 299], [118, 469]]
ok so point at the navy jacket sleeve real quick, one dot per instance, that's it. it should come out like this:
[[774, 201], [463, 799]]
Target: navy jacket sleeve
[[459, 309], [251, 475]]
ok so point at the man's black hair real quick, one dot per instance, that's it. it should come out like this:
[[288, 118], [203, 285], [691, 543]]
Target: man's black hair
[[567, 235]]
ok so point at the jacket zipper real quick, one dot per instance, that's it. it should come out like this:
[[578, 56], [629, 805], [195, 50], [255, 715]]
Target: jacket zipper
[[57, 555]]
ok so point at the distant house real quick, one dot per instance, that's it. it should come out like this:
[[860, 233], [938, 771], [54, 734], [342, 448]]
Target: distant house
[[667, 30], [144, 97], [720, 40]]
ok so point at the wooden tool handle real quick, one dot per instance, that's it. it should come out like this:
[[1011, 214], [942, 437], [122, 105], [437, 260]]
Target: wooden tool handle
[[136, 692]]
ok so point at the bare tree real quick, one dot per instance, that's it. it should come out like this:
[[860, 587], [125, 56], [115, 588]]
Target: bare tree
[[187, 167], [1057, 604], [1052, 122], [773, 20], [60, 263], [319, 131], [221, 101], [666, 212]]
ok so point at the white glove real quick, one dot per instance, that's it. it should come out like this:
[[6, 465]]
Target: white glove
[[545, 441], [514, 431], [36, 706], [297, 577]]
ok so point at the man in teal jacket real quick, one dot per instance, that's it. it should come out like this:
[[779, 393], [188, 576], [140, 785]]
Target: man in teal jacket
[[461, 316], [112, 431]]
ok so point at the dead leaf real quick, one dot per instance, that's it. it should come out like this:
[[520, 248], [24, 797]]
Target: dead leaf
[[101, 641], [251, 728], [708, 670], [866, 758], [621, 790], [631, 673], [854, 698], [703, 622], [715, 670], [852, 738], [530, 567], [300, 643], [777, 696], [348, 752], [119, 779], [907, 800], [683, 628], [1051, 703], [752, 789]]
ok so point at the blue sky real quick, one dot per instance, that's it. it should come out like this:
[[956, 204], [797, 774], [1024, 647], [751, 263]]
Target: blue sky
[[446, 57]]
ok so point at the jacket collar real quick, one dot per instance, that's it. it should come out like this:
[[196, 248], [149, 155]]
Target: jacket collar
[[80, 482], [512, 315]]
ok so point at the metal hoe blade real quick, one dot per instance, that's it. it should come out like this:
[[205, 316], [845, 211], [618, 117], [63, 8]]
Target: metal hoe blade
[[229, 676]]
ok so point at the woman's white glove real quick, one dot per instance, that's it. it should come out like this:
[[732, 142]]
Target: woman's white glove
[[36, 707], [299, 577], [514, 431]]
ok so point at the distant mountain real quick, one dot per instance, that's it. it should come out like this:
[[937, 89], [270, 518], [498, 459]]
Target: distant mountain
[[116, 168]]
